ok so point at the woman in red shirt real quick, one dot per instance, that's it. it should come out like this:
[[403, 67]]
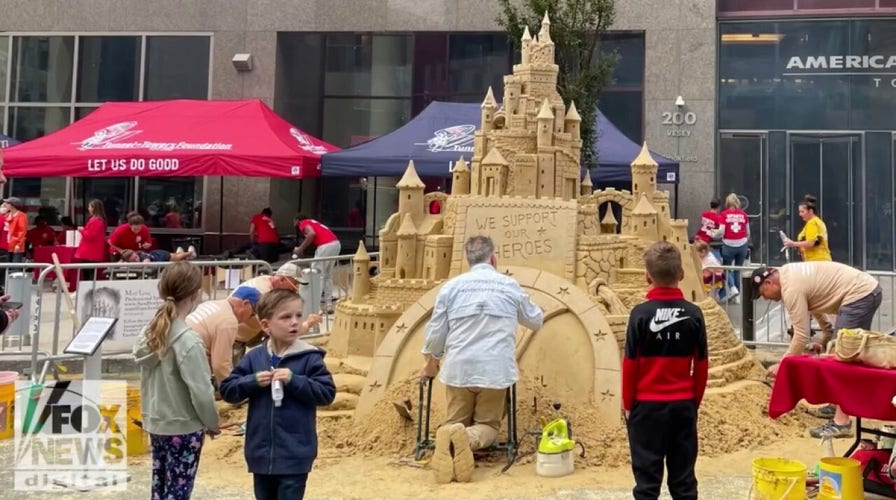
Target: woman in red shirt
[[735, 238], [93, 238]]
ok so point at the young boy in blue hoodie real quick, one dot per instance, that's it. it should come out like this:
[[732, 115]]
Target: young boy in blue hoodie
[[281, 440]]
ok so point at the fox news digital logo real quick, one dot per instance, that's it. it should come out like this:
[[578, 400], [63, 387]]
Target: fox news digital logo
[[71, 433]]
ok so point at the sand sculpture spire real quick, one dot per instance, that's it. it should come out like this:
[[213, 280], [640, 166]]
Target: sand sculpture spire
[[410, 191], [544, 36], [361, 284], [460, 177], [587, 186]]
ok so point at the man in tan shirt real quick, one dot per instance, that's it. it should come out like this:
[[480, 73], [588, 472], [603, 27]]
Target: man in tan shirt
[[217, 321], [815, 289]]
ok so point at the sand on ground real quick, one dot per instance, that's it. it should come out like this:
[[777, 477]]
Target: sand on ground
[[374, 458]]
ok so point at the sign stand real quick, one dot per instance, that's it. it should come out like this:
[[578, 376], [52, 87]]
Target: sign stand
[[88, 342]]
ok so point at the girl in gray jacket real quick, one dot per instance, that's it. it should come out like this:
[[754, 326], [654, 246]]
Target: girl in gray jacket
[[178, 401]]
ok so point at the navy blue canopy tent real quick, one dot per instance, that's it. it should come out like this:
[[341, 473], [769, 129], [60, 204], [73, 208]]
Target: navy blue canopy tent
[[6, 142], [443, 132]]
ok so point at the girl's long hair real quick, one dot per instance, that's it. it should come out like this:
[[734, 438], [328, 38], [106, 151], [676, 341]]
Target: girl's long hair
[[98, 210], [178, 282]]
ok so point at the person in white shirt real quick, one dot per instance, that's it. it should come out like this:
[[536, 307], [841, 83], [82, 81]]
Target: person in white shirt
[[470, 343]]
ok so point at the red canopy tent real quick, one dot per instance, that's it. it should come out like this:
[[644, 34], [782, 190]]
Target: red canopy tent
[[172, 138]]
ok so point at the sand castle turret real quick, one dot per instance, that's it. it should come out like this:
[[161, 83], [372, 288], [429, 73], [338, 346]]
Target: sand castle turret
[[460, 178], [493, 180], [361, 272], [644, 219], [609, 223], [410, 194], [489, 107], [587, 187], [644, 169]]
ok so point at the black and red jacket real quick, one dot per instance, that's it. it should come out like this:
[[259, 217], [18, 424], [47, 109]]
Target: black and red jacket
[[666, 355]]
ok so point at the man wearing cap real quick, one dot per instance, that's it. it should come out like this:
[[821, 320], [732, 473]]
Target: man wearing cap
[[815, 289], [285, 278], [18, 228], [217, 321]]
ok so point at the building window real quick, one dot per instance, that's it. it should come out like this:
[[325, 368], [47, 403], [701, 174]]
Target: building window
[[368, 65], [4, 58], [42, 68], [349, 121], [108, 68], [171, 202], [26, 123], [42, 196], [622, 101], [116, 193], [177, 67], [476, 62]]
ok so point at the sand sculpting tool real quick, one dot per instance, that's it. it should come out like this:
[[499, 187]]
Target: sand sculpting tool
[[404, 408], [63, 286]]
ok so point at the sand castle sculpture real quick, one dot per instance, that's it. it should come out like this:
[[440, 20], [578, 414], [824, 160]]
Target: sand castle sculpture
[[523, 188]]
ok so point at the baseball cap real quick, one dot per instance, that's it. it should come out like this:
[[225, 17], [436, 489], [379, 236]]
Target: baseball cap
[[289, 270], [760, 275], [16, 202], [247, 293]]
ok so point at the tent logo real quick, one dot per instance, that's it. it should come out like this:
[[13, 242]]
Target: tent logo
[[458, 138], [102, 137], [305, 142]]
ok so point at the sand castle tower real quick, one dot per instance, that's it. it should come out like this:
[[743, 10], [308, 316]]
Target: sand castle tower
[[524, 188]]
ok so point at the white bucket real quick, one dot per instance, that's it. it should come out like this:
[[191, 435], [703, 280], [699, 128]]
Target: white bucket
[[554, 464]]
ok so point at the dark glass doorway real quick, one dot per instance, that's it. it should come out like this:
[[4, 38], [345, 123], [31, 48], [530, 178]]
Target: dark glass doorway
[[742, 167], [829, 167]]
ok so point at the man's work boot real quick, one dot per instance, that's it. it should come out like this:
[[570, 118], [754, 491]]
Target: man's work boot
[[442, 464], [464, 463]]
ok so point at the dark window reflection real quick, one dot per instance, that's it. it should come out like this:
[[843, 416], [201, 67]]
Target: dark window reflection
[[177, 67], [108, 68], [476, 62], [42, 68]]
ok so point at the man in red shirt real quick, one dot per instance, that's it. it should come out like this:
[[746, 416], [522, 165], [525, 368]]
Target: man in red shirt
[[264, 235], [41, 235], [327, 245], [132, 235]]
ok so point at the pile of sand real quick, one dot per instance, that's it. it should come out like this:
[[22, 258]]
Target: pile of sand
[[729, 421]]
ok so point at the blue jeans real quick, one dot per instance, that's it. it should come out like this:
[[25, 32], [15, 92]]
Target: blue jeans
[[733, 256], [273, 487]]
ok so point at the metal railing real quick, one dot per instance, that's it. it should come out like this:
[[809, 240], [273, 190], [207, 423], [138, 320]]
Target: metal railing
[[51, 311]]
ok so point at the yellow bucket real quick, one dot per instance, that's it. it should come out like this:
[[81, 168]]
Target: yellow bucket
[[7, 403], [778, 479], [840, 478], [137, 440]]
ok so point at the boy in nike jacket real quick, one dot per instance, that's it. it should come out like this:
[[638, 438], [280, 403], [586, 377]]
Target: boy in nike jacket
[[664, 373], [281, 439]]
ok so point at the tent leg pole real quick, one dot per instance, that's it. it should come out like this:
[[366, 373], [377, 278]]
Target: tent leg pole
[[221, 215]]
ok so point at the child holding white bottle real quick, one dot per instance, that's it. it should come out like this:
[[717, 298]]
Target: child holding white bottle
[[281, 439]]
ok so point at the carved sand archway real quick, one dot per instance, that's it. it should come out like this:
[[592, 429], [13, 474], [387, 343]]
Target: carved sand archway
[[574, 355]]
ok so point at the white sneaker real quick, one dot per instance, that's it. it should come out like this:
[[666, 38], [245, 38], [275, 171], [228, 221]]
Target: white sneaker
[[733, 292], [179, 250], [192, 251]]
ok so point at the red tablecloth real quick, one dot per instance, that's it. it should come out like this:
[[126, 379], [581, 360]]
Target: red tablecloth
[[66, 255], [860, 390]]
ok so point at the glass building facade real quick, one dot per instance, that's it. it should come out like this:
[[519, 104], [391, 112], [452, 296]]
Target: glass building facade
[[47, 82], [353, 87], [808, 106]]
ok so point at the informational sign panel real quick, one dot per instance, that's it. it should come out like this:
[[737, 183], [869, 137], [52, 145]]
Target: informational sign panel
[[133, 302], [90, 336]]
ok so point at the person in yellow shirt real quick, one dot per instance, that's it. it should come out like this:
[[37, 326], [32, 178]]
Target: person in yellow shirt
[[813, 239]]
